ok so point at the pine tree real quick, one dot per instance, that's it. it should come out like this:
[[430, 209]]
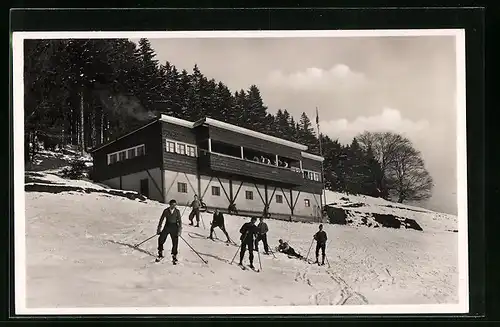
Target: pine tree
[[257, 112], [224, 104], [240, 112], [306, 134], [195, 94], [148, 87]]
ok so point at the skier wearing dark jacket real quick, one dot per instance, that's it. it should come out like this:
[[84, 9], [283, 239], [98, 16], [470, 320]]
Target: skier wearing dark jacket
[[285, 248], [321, 239], [262, 236], [195, 205], [218, 221], [173, 227], [248, 232]]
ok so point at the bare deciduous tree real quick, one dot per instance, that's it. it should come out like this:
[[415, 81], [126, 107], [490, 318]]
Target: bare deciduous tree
[[403, 169], [411, 180]]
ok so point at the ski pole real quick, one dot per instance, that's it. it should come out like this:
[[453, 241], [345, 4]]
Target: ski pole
[[328, 262], [145, 241], [239, 248], [183, 211], [309, 250], [202, 221], [193, 249], [260, 262]]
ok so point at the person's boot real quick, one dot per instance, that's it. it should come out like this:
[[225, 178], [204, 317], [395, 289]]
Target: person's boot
[[197, 224], [174, 258], [190, 222], [323, 261], [160, 254], [316, 260], [251, 265]]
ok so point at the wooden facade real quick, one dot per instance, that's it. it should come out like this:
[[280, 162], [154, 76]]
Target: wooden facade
[[220, 163]]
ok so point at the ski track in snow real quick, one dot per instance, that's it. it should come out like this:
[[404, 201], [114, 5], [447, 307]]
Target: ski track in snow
[[80, 254]]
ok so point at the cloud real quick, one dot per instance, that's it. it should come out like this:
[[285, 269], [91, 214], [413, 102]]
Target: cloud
[[317, 79], [388, 120]]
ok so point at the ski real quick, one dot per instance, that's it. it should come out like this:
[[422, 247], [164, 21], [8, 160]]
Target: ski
[[243, 267], [158, 259]]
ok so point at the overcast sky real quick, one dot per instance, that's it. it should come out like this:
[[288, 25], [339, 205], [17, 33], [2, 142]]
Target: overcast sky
[[402, 84]]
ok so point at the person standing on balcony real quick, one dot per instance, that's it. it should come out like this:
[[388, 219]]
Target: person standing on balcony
[[195, 205], [262, 236]]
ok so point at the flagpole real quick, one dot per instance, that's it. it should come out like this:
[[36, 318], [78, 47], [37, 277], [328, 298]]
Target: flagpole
[[322, 169]]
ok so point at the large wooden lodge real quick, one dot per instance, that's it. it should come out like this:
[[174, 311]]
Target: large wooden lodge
[[225, 165]]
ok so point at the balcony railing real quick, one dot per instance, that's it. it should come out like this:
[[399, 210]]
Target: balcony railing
[[238, 166]]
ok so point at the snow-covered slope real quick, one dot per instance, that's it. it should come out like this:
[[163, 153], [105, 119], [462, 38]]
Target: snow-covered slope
[[358, 207], [79, 254]]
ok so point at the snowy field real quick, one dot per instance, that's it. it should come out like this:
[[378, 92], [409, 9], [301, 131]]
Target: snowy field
[[79, 254]]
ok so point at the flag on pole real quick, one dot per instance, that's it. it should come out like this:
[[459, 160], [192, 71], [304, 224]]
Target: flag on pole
[[317, 116]]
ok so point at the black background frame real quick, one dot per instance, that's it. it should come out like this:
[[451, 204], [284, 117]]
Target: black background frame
[[470, 19]]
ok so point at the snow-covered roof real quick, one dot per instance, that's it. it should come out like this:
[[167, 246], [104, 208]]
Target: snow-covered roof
[[176, 121], [312, 156], [245, 131], [223, 125]]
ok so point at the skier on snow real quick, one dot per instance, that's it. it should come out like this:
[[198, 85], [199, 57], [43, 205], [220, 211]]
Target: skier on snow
[[218, 221], [262, 236], [173, 227], [248, 232], [321, 239], [195, 205], [283, 247]]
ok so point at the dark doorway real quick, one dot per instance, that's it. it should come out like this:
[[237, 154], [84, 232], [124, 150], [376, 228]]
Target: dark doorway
[[145, 187]]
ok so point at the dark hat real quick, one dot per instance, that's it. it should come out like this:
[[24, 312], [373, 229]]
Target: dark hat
[[320, 225], [172, 202]]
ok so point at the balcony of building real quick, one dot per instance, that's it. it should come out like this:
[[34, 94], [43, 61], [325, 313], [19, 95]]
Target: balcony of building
[[239, 161]]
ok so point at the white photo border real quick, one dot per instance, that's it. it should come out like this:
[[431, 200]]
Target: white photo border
[[19, 194]]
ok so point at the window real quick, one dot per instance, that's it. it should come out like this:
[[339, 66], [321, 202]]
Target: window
[[279, 198], [191, 151], [141, 150], [170, 146], [311, 175], [249, 195], [182, 187], [131, 153], [113, 158], [216, 190], [307, 203], [125, 154], [181, 148]]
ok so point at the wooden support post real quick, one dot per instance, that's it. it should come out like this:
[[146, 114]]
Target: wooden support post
[[209, 145], [277, 160], [242, 155]]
